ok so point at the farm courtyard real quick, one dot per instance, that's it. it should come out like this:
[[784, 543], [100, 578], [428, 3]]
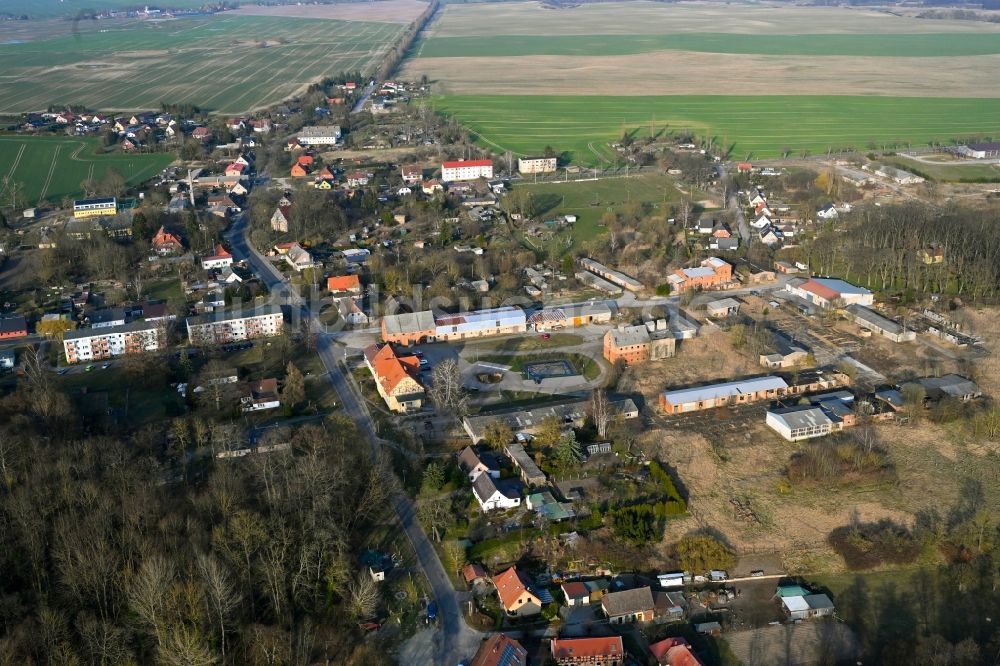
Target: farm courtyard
[[822, 78], [227, 63]]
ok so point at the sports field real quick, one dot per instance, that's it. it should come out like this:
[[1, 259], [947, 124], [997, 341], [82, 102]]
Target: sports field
[[766, 79], [51, 168], [226, 63], [758, 126]]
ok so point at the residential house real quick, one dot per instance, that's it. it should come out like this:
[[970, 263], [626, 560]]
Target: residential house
[[107, 318], [395, 377], [280, 219], [607, 651], [165, 243], [298, 258], [350, 310], [260, 395], [827, 212], [473, 465], [713, 273], [798, 603], [933, 254], [771, 235], [236, 169], [431, 187], [500, 650], [320, 135], [634, 605], [724, 244], [492, 496], [200, 134], [357, 179], [575, 593], [299, 170], [514, 590], [221, 259], [674, 652], [756, 197], [262, 125], [13, 327], [412, 174], [473, 574], [343, 284]]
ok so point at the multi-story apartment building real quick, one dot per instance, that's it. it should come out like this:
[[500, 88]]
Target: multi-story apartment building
[[527, 165], [95, 207], [222, 327], [96, 344], [320, 135], [466, 170]]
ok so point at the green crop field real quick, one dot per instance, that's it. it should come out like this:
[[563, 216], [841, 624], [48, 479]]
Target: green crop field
[[755, 126], [224, 63], [52, 168], [56, 8], [892, 45]]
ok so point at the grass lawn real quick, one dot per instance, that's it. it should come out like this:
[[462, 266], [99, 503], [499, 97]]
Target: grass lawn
[[898, 45], [223, 63], [53, 167], [525, 343], [755, 126], [964, 171], [165, 290], [589, 200], [146, 402]]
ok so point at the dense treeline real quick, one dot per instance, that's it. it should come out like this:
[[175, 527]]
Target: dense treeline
[[879, 247], [130, 548]]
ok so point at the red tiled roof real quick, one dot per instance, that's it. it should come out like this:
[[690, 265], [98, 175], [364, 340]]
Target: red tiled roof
[[343, 283], [390, 369], [220, 253], [467, 163], [472, 572], [820, 290], [511, 584], [674, 652], [500, 650], [575, 590], [583, 648]]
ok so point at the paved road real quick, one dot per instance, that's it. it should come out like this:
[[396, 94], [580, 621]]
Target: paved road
[[455, 633], [360, 104]]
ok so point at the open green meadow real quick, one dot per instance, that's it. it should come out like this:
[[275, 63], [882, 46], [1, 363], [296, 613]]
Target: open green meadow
[[892, 45], [224, 63], [51, 168], [755, 126], [57, 8]]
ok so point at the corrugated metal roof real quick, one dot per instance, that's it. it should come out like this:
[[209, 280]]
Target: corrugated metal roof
[[716, 391]]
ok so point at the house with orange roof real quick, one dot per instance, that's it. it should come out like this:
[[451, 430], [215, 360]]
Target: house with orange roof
[[221, 259], [236, 169], [395, 378], [324, 174], [340, 284], [674, 652], [305, 160], [516, 597], [165, 243], [606, 651], [299, 171]]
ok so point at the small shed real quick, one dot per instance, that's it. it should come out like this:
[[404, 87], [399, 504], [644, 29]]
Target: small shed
[[725, 307]]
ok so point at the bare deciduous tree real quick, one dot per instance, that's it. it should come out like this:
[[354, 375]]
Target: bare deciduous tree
[[600, 412], [446, 391], [363, 596]]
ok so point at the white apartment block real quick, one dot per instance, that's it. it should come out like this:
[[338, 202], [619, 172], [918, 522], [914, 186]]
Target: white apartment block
[[222, 327], [96, 344], [466, 170], [526, 165], [320, 135]]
